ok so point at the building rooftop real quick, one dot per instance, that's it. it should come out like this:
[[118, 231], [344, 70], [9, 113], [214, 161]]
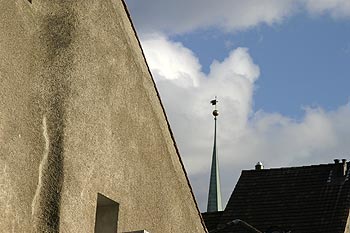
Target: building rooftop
[[296, 199], [211, 219]]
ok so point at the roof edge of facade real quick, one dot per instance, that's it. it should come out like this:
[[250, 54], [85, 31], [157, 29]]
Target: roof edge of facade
[[166, 118]]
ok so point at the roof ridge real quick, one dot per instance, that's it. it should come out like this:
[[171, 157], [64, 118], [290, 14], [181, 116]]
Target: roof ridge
[[293, 167]]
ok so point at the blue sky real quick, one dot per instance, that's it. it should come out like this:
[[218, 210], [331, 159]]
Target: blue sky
[[280, 70], [304, 61]]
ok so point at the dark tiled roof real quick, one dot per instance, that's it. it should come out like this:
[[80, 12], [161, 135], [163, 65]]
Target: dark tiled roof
[[309, 199], [212, 219]]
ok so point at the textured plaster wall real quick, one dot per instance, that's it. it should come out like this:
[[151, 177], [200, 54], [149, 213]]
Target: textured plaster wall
[[347, 226], [79, 114]]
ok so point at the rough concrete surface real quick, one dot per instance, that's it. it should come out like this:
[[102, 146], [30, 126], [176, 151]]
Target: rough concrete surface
[[79, 115]]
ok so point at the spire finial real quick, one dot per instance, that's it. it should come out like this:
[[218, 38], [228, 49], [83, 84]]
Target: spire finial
[[215, 112]]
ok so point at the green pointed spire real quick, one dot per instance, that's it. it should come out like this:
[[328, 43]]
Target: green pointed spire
[[214, 196]]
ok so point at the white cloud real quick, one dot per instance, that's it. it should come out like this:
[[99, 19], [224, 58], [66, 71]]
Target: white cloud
[[181, 16], [182, 66], [336, 8], [245, 137]]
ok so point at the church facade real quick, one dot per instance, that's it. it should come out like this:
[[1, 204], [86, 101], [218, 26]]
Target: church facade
[[85, 145]]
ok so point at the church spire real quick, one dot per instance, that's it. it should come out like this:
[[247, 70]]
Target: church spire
[[214, 196]]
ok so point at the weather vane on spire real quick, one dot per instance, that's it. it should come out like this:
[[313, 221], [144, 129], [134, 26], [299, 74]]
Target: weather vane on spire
[[215, 112]]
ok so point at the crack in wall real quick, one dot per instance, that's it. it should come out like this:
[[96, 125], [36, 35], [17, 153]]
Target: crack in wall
[[47, 199], [43, 163]]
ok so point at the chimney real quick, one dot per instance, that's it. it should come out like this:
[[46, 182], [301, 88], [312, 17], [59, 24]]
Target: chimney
[[259, 166], [343, 167], [340, 167]]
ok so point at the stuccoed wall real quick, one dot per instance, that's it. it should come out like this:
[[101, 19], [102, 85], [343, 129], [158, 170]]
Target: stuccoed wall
[[347, 227], [79, 114]]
